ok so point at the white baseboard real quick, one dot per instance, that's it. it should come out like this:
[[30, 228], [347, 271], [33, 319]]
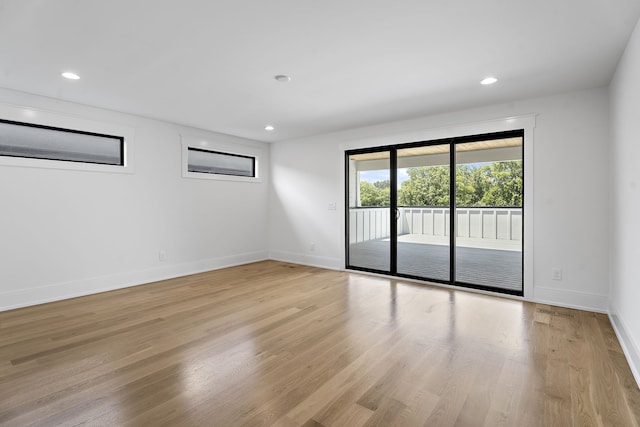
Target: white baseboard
[[77, 288], [629, 346], [330, 263], [570, 299]]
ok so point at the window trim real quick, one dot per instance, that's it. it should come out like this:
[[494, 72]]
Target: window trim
[[220, 147], [68, 123], [419, 131]]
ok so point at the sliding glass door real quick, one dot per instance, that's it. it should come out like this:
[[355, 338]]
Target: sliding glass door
[[447, 211], [369, 211], [489, 195], [423, 199]]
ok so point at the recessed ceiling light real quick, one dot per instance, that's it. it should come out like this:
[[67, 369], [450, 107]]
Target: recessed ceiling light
[[71, 76], [282, 78], [269, 127], [489, 81]]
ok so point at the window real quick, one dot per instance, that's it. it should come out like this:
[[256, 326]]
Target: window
[[34, 141], [213, 162], [223, 158]]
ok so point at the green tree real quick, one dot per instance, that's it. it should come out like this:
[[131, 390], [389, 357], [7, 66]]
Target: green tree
[[382, 185], [426, 186], [466, 192], [376, 194], [499, 184], [505, 185]]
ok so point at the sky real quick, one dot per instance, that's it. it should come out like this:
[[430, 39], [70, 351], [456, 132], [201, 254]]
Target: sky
[[382, 175]]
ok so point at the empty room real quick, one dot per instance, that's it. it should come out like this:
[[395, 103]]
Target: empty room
[[303, 213]]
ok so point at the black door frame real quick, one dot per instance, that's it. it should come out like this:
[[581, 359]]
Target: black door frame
[[393, 208]]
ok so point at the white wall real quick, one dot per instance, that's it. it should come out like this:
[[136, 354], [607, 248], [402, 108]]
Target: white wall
[[571, 162], [625, 201], [65, 233]]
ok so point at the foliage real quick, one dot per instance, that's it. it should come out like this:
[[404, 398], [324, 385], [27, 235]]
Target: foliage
[[505, 184], [499, 184], [374, 194], [426, 186]]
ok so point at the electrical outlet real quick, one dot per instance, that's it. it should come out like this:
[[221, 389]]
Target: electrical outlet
[[332, 206], [556, 273], [162, 256], [312, 247]]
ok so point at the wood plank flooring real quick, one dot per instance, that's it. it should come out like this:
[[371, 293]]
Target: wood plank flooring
[[279, 344]]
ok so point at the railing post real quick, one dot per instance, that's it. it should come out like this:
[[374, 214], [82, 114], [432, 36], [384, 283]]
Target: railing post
[[510, 224]]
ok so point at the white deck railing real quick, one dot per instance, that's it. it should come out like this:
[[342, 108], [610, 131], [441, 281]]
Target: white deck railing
[[476, 223]]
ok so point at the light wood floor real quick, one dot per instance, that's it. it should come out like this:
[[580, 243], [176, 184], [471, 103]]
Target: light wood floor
[[279, 344]]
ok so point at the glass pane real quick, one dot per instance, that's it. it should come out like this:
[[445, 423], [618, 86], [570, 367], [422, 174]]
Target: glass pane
[[423, 212], [369, 212], [489, 196], [39, 142], [205, 161]]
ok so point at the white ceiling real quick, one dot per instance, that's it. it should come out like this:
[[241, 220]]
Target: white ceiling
[[211, 63]]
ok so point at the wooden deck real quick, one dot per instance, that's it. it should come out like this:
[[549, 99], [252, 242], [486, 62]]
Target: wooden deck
[[479, 266]]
